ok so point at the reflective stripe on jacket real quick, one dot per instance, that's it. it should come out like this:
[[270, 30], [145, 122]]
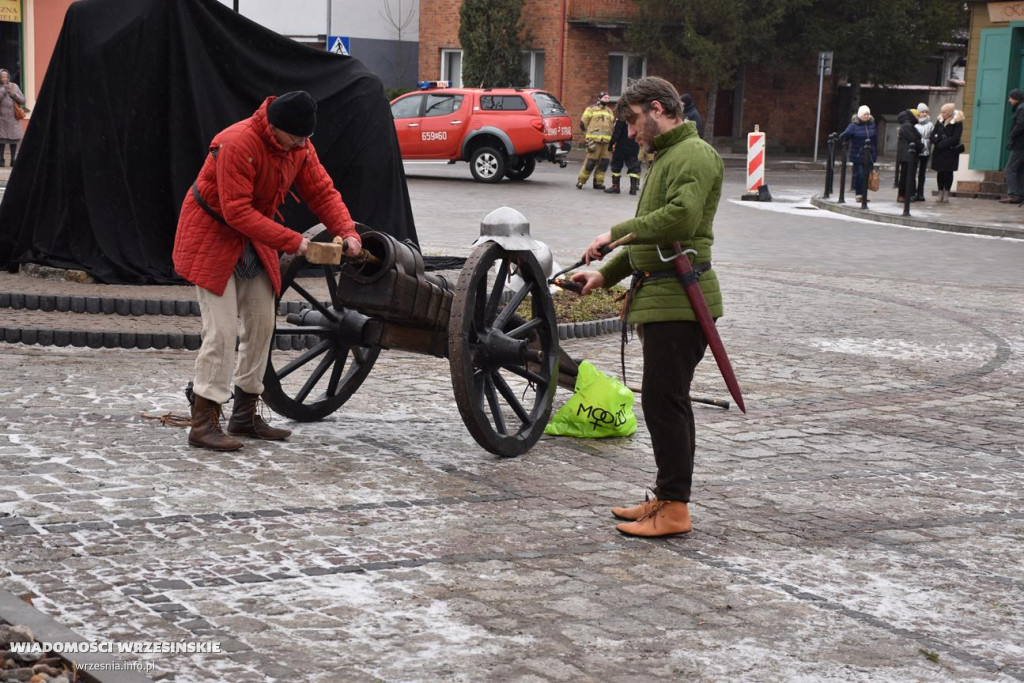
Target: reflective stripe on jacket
[[599, 120]]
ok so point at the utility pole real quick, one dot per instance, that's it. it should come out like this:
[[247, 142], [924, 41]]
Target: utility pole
[[328, 45], [236, 5], [824, 69]]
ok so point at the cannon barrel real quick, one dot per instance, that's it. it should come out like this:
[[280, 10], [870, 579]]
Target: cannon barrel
[[396, 288]]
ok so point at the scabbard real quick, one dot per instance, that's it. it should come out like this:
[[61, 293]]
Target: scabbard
[[684, 269]]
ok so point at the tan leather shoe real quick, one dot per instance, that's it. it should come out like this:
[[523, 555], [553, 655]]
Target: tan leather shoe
[[637, 511], [667, 518]]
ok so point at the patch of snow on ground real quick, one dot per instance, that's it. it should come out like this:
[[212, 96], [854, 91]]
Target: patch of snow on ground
[[900, 349]]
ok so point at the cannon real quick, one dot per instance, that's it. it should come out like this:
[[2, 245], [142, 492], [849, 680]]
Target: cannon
[[504, 366]]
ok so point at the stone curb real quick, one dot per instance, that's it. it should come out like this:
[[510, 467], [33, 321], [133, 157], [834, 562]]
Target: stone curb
[[46, 630], [111, 305], [909, 221], [93, 339]]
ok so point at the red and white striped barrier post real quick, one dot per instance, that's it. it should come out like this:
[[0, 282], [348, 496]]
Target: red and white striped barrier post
[[757, 191]]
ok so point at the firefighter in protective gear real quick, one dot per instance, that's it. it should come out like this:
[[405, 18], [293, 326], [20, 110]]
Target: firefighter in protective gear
[[597, 122], [624, 152]]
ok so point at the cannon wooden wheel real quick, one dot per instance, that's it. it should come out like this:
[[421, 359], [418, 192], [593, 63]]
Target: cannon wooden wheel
[[330, 368], [504, 368]]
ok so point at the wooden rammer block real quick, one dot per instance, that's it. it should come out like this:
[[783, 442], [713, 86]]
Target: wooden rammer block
[[324, 253]]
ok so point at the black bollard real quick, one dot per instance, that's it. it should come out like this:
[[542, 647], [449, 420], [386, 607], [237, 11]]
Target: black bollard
[[865, 171], [842, 172], [830, 160]]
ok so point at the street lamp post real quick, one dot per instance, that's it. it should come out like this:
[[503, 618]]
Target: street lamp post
[[824, 69]]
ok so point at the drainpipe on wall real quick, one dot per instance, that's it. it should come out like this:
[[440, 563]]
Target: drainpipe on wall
[[561, 52], [28, 52]]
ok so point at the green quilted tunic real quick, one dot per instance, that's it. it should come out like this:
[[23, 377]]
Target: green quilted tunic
[[677, 204]]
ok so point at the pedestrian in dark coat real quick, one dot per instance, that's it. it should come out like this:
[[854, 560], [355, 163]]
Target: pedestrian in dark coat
[[946, 148], [690, 112], [1015, 143], [907, 144], [624, 152], [860, 131]]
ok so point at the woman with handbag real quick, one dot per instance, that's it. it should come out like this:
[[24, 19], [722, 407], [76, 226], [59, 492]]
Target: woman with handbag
[[862, 128], [946, 148], [11, 102]]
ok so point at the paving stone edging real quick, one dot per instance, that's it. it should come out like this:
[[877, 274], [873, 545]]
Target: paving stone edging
[[853, 209], [94, 339], [46, 630], [113, 305]]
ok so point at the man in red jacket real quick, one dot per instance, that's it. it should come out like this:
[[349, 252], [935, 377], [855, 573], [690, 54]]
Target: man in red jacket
[[227, 245]]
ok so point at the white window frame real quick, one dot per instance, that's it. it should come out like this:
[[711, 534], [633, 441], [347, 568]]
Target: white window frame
[[530, 62], [446, 58], [616, 88]]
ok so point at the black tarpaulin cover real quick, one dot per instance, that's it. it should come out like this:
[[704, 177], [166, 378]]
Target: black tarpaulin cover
[[135, 91]]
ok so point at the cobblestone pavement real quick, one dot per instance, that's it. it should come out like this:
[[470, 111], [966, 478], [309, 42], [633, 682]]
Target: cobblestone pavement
[[862, 522]]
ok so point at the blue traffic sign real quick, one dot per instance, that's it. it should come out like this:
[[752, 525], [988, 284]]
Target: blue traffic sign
[[338, 45]]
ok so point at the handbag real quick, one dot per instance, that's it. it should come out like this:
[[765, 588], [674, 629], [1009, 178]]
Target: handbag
[[19, 113], [873, 181]]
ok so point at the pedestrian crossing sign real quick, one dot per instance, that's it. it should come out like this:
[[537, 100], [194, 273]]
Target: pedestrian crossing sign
[[338, 45]]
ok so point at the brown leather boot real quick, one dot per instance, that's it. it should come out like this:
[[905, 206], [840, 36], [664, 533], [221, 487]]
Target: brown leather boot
[[666, 518], [206, 431], [637, 511], [246, 420]]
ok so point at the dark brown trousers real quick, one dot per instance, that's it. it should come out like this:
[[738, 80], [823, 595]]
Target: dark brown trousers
[[671, 353]]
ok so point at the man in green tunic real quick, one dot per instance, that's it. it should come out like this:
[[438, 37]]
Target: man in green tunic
[[677, 204]]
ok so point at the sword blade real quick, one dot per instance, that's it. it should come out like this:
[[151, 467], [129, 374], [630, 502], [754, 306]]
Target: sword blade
[[707, 324]]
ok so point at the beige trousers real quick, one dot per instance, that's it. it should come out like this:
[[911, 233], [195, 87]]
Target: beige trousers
[[251, 303]]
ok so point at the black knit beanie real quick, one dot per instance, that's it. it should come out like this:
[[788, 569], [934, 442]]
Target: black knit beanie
[[1016, 94], [294, 113]]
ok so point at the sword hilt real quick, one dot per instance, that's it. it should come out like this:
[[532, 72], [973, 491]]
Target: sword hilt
[[670, 259]]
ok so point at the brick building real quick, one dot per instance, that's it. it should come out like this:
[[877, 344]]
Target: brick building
[[578, 48]]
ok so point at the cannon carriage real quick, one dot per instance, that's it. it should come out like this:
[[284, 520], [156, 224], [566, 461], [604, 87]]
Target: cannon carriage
[[504, 365]]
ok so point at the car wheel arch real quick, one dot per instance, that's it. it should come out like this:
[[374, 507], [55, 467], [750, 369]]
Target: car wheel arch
[[487, 137]]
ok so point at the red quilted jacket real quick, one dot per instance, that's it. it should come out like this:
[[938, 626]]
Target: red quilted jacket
[[246, 183]]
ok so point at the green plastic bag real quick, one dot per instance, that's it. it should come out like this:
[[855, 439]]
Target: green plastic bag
[[601, 406]]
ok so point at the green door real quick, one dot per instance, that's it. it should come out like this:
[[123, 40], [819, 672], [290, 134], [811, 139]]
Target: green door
[[991, 112]]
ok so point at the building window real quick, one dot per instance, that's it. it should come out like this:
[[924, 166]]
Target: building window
[[451, 67], [533, 65], [622, 69]]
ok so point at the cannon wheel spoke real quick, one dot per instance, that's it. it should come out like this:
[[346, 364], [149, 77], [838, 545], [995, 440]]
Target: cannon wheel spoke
[[504, 401], [293, 384]]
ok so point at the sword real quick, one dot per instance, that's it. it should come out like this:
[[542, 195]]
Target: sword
[[684, 269]]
